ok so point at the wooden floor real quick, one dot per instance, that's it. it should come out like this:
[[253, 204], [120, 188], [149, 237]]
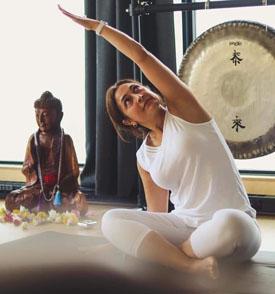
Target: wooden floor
[[267, 225], [8, 232], [255, 279]]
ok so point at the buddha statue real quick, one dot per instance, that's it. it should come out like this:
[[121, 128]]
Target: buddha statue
[[50, 166]]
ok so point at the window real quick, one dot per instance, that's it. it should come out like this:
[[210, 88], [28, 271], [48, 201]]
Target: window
[[40, 50], [205, 19]]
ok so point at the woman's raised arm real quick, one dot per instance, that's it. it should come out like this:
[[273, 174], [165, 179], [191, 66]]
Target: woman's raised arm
[[179, 98]]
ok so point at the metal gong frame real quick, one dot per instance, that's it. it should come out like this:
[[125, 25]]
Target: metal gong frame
[[145, 7]]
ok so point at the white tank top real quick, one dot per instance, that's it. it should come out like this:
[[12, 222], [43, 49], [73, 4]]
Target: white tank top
[[196, 165]]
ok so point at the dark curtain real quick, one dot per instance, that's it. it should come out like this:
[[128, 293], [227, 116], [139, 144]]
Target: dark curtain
[[110, 172]]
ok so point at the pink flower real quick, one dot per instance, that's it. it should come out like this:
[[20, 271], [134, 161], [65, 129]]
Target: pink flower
[[17, 222], [8, 218]]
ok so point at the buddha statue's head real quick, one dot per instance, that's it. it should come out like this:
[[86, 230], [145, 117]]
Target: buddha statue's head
[[48, 113]]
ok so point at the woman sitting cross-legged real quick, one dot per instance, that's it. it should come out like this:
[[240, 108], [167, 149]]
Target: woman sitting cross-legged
[[183, 152]]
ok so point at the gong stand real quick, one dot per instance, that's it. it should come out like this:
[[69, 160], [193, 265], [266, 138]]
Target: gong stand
[[139, 7]]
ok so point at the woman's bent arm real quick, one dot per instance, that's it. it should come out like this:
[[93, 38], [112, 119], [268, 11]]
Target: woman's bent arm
[[156, 197]]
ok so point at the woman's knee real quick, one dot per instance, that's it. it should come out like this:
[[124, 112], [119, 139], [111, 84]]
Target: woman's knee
[[110, 222], [228, 232], [233, 225], [110, 216]]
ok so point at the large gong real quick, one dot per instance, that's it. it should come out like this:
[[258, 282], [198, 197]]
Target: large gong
[[231, 70]]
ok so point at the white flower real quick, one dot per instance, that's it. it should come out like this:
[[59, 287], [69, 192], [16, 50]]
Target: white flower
[[52, 215], [35, 221], [24, 226], [22, 208], [58, 219]]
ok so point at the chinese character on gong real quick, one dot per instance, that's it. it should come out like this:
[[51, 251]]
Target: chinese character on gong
[[236, 58], [237, 123]]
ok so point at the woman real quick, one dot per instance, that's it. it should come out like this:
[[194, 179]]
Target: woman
[[183, 152]]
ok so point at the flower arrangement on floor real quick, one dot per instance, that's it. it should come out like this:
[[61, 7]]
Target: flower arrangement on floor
[[23, 217]]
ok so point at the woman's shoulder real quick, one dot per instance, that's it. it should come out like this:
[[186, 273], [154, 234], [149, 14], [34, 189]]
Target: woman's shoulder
[[142, 146], [174, 116], [191, 112]]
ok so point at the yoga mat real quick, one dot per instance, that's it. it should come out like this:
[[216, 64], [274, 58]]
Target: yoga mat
[[64, 263]]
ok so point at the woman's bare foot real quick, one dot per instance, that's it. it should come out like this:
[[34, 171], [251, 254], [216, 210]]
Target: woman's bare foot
[[207, 266]]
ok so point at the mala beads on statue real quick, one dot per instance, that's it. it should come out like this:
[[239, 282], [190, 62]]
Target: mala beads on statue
[[50, 179]]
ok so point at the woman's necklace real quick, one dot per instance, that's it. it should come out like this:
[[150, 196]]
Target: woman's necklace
[[56, 192]]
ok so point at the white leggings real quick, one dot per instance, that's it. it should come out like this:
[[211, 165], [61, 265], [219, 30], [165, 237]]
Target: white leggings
[[230, 233]]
